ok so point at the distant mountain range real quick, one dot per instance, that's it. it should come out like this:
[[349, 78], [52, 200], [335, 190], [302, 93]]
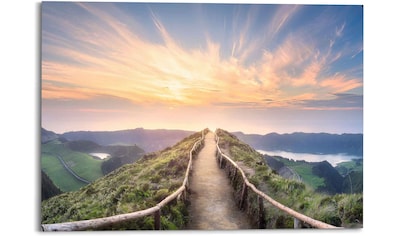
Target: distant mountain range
[[149, 140], [132, 187], [315, 143]]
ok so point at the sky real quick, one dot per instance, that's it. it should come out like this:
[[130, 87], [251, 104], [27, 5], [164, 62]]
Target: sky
[[255, 68]]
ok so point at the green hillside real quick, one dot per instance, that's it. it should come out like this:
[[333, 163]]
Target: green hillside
[[353, 173], [82, 164], [48, 189], [130, 188], [340, 210], [76, 155], [304, 170], [348, 166]]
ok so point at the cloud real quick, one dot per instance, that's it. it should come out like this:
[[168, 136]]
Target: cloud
[[339, 31], [281, 17], [340, 83], [339, 101], [103, 55]]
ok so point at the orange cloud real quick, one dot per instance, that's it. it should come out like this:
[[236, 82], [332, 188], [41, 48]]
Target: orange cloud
[[119, 62], [339, 83]]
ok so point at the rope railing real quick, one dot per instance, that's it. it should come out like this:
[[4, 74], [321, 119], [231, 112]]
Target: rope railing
[[297, 216], [155, 210]]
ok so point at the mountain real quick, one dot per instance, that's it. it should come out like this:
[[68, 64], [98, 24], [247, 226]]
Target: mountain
[[149, 140], [333, 181], [299, 142], [47, 135]]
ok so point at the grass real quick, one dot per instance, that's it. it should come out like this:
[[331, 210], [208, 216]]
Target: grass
[[340, 210], [130, 188], [346, 167], [304, 170], [82, 164], [58, 174]]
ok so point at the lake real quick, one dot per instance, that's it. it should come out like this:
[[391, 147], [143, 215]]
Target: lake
[[100, 155], [333, 159]]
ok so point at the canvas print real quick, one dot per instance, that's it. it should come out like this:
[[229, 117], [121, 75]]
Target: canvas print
[[201, 116]]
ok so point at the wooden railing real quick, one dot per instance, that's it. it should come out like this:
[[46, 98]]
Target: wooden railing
[[155, 211], [261, 195]]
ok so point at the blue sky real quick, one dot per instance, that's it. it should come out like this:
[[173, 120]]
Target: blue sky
[[257, 68]]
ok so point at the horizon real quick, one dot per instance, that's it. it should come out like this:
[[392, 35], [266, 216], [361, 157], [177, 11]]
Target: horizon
[[213, 130], [255, 68]]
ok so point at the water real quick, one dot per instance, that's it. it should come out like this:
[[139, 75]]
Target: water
[[100, 155], [333, 159]]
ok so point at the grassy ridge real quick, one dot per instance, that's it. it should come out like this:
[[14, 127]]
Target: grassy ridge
[[340, 210], [130, 188]]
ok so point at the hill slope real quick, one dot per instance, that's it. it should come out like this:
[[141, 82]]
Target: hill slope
[[130, 188], [118, 154], [59, 157], [339, 209], [48, 188], [321, 176]]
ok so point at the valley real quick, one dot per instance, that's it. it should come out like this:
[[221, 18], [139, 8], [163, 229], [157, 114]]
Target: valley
[[129, 174]]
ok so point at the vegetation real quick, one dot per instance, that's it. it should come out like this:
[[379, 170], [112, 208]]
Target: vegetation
[[76, 155], [353, 173], [344, 210], [48, 187], [82, 164], [304, 170], [58, 174], [346, 167], [130, 188], [120, 155]]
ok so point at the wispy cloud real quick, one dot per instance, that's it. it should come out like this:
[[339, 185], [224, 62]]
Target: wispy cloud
[[281, 17], [102, 55], [339, 31]]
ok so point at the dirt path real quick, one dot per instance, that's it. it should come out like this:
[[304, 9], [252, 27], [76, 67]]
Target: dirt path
[[212, 205]]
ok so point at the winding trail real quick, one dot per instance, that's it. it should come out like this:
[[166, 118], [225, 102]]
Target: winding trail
[[212, 203]]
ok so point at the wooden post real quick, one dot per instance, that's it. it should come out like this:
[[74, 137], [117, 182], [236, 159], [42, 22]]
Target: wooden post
[[235, 174], [157, 220], [243, 196], [296, 223], [186, 194], [261, 214]]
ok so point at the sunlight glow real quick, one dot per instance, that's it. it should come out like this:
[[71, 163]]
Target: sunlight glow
[[97, 50]]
